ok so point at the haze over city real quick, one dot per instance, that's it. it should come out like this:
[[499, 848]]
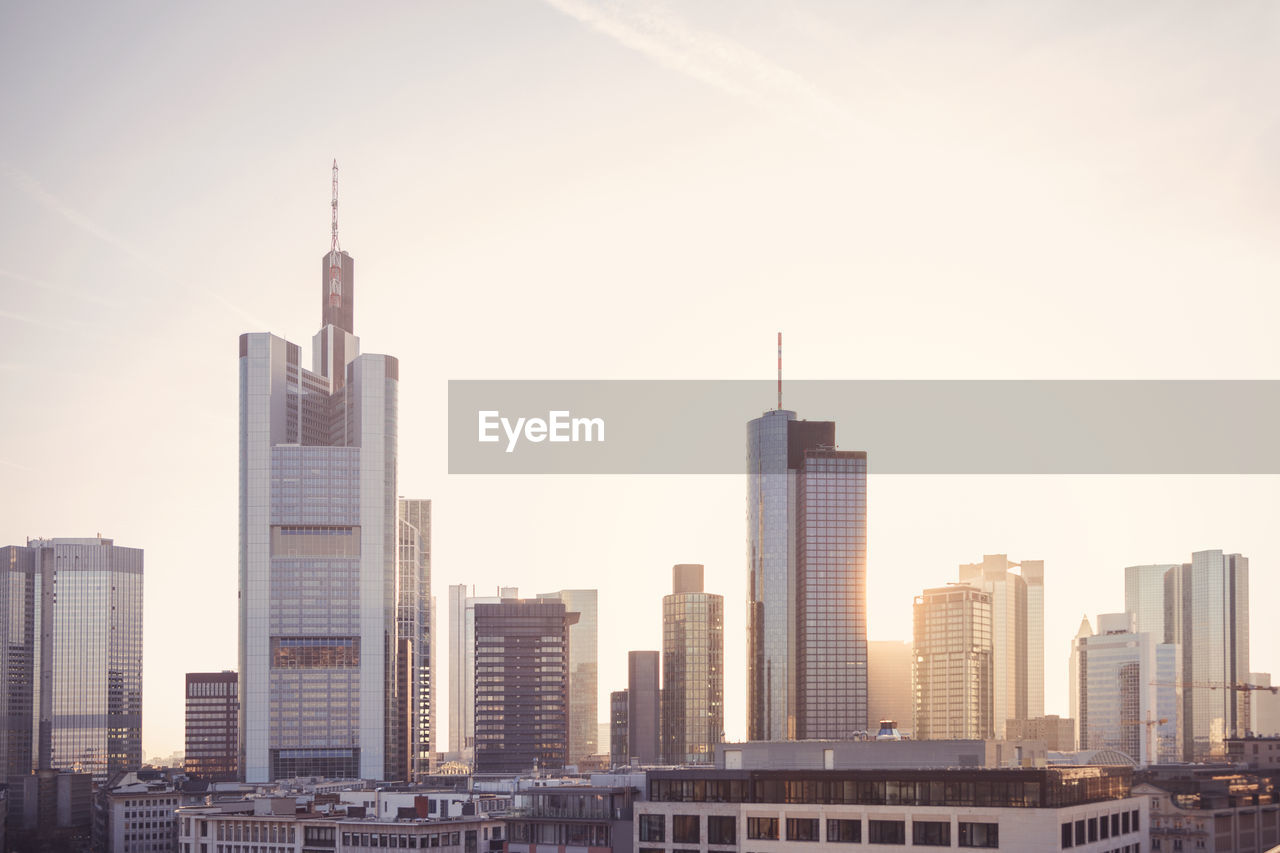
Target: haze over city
[[571, 190]]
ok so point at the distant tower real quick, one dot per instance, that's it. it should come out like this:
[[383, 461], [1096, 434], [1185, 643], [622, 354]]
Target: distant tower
[[644, 698], [414, 735], [213, 707], [692, 669], [583, 670], [462, 666], [952, 674], [889, 683]]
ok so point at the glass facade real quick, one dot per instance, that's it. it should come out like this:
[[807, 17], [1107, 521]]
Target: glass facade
[[414, 630], [327, 678], [211, 726], [584, 671], [952, 664], [692, 670], [72, 613], [1017, 635]]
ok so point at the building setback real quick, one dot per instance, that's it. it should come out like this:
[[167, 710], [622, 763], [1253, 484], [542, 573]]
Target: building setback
[[952, 664], [692, 669], [320, 663], [212, 735], [522, 685], [71, 613]]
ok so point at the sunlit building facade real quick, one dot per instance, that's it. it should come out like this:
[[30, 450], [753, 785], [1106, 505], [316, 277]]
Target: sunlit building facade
[[321, 665], [951, 675], [1144, 598], [889, 683], [692, 669], [415, 694], [71, 619], [584, 670]]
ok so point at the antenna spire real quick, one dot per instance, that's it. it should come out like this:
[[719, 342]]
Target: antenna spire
[[779, 370], [333, 244]]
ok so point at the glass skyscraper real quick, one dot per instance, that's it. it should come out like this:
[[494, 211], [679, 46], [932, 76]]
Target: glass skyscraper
[[414, 627], [321, 665], [692, 669], [806, 581], [584, 671], [952, 654], [71, 621]]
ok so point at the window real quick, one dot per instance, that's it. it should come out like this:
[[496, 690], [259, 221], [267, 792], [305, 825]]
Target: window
[[979, 834], [685, 829], [653, 827], [887, 832], [1066, 836], [722, 830], [1080, 831], [802, 829], [762, 828], [1124, 822], [931, 833], [1104, 827], [1134, 815], [1115, 824], [1093, 829], [844, 831]]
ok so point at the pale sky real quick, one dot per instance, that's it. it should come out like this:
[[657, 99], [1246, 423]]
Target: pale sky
[[574, 189]]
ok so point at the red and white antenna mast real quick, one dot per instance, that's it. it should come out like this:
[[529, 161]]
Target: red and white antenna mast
[[333, 245], [335, 260], [779, 370]]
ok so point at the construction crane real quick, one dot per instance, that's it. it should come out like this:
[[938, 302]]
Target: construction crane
[[1240, 686], [1151, 723]]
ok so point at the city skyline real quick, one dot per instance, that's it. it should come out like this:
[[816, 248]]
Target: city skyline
[[1012, 186]]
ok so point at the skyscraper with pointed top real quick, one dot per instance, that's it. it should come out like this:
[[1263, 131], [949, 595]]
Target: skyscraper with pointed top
[[322, 680]]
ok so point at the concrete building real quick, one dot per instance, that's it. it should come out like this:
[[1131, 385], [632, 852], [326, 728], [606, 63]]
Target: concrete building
[[462, 667], [952, 664], [1058, 733], [1207, 616], [584, 670], [889, 684], [212, 726], [1017, 634], [1212, 809], [71, 610], [134, 812], [522, 685], [49, 810], [1264, 706], [806, 591], [572, 817], [1123, 703], [1259, 752], [320, 666], [879, 755], [692, 669], [415, 684], [1077, 808], [619, 723], [644, 704]]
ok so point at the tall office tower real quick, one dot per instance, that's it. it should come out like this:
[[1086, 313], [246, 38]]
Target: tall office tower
[[1144, 597], [644, 703], [806, 581], [619, 751], [212, 737], [522, 685], [319, 657], [462, 666], [584, 670], [414, 685], [952, 669], [889, 683], [1120, 697], [692, 669], [1207, 615], [1017, 634], [1073, 676], [71, 618]]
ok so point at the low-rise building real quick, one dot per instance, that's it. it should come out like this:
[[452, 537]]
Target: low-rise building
[[1058, 733], [1259, 753], [134, 811], [1079, 808], [1211, 809], [883, 754], [588, 819]]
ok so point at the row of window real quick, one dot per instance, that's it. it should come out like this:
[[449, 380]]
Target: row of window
[[1095, 828], [722, 829]]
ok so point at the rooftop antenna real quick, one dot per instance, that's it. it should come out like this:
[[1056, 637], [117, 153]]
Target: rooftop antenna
[[333, 244], [335, 263], [779, 367]]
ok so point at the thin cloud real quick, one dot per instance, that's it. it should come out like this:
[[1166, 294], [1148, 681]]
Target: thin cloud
[[31, 188], [82, 294], [709, 58], [9, 464]]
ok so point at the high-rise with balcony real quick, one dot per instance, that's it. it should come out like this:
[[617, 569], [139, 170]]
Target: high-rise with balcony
[[71, 657], [952, 652], [806, 581], [692, 669], [321, 665]]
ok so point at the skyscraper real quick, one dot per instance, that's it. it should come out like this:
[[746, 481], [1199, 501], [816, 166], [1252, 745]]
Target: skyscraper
[[414, 685], [1144, 598], [71, 620], [462, 666], [319, 653], [522, 685], [584, 671], [889, 683], [644, 720], [1017, 634], [619, 723], [806, 581], [213, 712], [1207, 616], [952, 652], [1120, 693], [692, 669]]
